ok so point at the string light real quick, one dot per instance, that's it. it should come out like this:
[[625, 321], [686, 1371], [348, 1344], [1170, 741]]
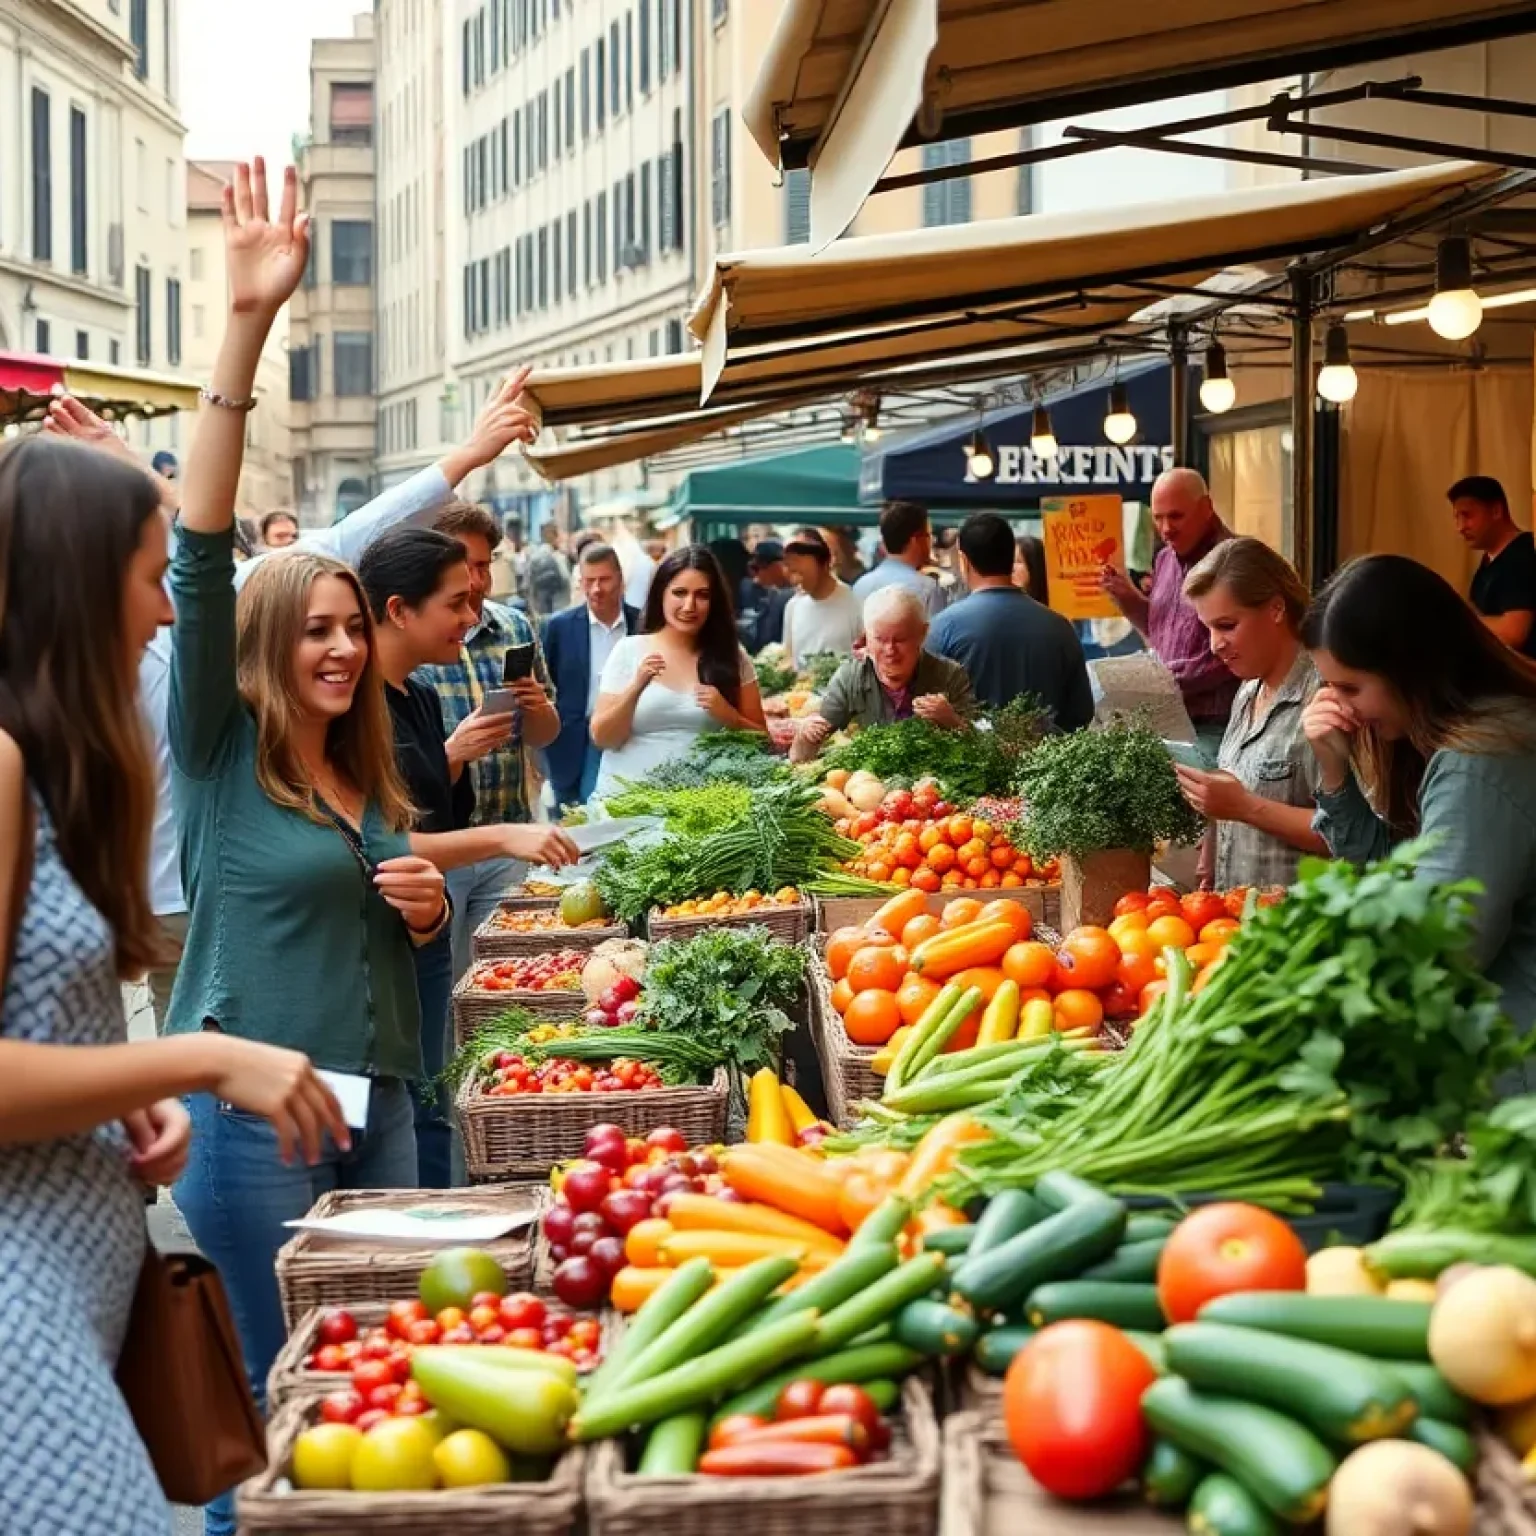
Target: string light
[[1042, 435], [1455, 312], [1217, 391], [1338, 381], [1119, 423]]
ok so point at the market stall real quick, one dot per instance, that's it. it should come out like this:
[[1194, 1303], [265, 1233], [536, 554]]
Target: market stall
[[28, 381]]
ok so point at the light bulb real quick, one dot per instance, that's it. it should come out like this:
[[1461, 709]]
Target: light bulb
[[1119, 424], [1338, 381], [978, 456], [1455, 311], [1042, 436], [1217, 391]]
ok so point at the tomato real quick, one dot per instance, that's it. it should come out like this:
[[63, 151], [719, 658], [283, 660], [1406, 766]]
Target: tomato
[[668, 1139], [526, 1338], [481, 1318], [368, 1374], [522, 1309], [342, 1407], [1224, 1248], [366, 1421], [1072, 1408], [385, 1397], [799, 1399], [1202, 907], [732, 1427], [853, 1401], [329, 1357], [402, 1315], [336, 1327], [1132, 901], [1088, 958], [450, 1317]]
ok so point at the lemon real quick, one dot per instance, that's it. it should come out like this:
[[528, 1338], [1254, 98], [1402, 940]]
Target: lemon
[[469, 1458], [322, 1456], [395, 1456]]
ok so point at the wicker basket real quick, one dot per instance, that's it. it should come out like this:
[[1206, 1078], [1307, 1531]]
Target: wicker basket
[[517, 900], [846, 1073], [525, 1135], [474, 1006], [895, 1497], [1043, 903], [492, 943], [267, 1506], [1506, 1496], [319, 1271], [988, 1493], [789, 924]]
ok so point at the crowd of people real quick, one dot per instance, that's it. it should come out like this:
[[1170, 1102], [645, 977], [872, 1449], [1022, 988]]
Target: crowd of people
[[341, 773]]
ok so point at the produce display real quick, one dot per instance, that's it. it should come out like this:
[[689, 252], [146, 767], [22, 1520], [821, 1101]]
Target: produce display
[[511, 921], [723, 904], [508, 1074], [558, 970]]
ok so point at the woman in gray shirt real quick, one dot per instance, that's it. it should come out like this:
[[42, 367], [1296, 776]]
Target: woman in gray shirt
[[1426, 724]]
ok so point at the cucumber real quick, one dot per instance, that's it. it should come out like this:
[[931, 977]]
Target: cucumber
[[1057, 1248], [1151, 1347], [673, 1447], [1108, 1301], [1221, 1506], [1347, 1398], [883, 1224], [1369, 1325], [878, 1303], [883, 1394], [949, 1240], [1284, 1464], [1143, 1228], [996, 1348], [856, 1270], [1169, 1475], [1136, 1262], [1451, 1440], [1008, 1213], [935, 1328], [1436, 1397], [1056, 1191]]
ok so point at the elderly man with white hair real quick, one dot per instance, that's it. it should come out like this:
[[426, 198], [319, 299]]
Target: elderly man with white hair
[[1186, 522], [895, 679]]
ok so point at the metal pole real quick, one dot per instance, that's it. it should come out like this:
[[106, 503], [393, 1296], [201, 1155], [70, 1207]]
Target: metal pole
[[1301, 421], [1178, 389]]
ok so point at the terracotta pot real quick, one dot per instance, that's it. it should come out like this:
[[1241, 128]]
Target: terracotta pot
[[1090, 887]]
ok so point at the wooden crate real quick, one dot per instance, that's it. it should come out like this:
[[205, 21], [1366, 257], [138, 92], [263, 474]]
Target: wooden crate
[[1043, 902], [789, 923], [846, 1073], [493, 943]]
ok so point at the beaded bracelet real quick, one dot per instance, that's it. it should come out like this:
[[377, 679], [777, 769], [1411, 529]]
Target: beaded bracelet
[[224, 402]]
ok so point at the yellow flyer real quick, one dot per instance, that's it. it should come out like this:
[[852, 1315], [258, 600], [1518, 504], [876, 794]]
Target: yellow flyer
[[1083, 534]]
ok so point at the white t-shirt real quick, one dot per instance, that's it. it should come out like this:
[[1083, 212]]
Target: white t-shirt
[[666, 721], [830, 623]]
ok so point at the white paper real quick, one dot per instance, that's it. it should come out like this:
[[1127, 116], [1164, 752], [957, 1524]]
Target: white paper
[[352, 1093], [419, 1225], [1140, 684], [592, 835]]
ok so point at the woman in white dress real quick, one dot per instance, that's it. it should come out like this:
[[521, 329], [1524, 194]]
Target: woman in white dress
[[684, 673]]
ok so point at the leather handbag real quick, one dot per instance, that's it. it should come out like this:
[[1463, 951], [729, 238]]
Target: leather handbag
[[183, 1378]]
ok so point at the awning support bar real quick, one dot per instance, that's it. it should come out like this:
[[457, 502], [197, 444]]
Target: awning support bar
[[1303, 289]]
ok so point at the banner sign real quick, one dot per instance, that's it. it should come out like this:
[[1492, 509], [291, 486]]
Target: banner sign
[[1082, 534]]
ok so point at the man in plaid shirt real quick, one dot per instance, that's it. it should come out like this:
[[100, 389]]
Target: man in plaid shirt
[[489, 747]]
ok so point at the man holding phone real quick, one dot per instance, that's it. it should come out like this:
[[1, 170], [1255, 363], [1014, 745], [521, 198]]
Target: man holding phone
[[497, 700]]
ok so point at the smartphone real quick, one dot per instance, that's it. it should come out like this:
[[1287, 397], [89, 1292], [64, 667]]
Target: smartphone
[[1187, 754], [518, 663], [499, 701]]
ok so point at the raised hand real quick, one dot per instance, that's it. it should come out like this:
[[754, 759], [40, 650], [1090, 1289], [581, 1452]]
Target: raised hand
[[265, 257], [505, 419]]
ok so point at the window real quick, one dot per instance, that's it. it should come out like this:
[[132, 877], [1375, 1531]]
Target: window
[[570, 108], [466, 60], [599, 72], [717, 11], [143, 334], [720, 168], [618, 227], [676, 7], [615, 72], [173, 320], [480, 47], [352, 352], [138, 35], [542, 297], [644, 235], [517, 148], [503, 285], [570, 253], [586, 92], [629, 61], [674, 335], [645, 46], [299, 383], [664, 23], [83, 346], [586, 242], [666, 212], [557, 264], [114, 352], [312, 266], [352, 252], [42, 176], [506, 169], [1027, 196], [483, 281], [558, 116], [79, 253], [797, 207], [600, 237], [352, 113], [44, 338], [495, 35], [195, 263], [141, 175], [946, 202]]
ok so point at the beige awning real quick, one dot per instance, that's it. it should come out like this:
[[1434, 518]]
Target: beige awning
[[845, 83], [922, 293]]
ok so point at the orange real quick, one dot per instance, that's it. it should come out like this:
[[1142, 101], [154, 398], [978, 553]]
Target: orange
[[901, 876], [951, 881], [930, 838], [986, 977], [872, 1017], [1076, 1008], [877, 968], [974, 849], [840, 950], [921, 927], [1149, 995], [1029, 964], [977, 867], [1202, 955], [1011, 881], [991, 880], [1170, 931], [913, 997], [958, 913], [1024, 865], [907, 852], [983, 829], [880, 871], [842, 995], [1088, 958], [1128, 922], [1136, 969], [965, 1037], [959, 830], [941, 857], [1134, 941], [1002, 856], [1030, 994], [1199, 984], [925, 879], [970, 883], [1220, 930]]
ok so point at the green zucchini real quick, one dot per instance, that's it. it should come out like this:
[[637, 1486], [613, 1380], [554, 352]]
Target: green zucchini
[[1143, 1228], [1108, 1301], [1221, 1506], [883, 1224], [672, 1448], [853, 1273], [878, 1303], [1057, 1248], [1056, 1191], [996, 1348], [1436, 1397], [1347, 1398], [949, 1240], [1369, 1325], [1008, 1213], [884, 1394], [1151, 1347], [1169, 1475], [1135, 1262], [935, 1328], [1284, 1464], [1451, 1440]]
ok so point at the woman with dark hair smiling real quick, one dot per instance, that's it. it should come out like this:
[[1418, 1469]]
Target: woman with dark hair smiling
[[687, 649], [1426, 724]]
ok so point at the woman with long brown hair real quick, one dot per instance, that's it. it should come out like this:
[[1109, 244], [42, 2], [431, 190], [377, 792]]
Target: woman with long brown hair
[[294, 820], [87, 1119], [1426, 725]]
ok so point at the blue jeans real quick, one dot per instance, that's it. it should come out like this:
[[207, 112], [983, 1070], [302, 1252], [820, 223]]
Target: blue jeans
[[477, 890], [580, 791], [236, 1194], [434, 1132]]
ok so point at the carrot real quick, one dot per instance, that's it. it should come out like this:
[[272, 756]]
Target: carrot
[[775, 1458], [898, 912], [935, 1153], [704, 1213], [727, 1248], [813, 1429], [959, 949], [642, 1244], [633, 1286], [735, 1427], [788, 1181]]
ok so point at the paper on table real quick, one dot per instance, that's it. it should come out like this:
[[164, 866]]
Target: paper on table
[[421, 1224], [1140, 684], [593, 835]]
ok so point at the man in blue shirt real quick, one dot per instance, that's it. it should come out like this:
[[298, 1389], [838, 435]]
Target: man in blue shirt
[[1008, 643]]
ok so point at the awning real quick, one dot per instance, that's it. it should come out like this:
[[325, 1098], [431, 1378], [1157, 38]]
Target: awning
[[931, 466], [807, 485], [28, 381], [912, 293], [845, 83]]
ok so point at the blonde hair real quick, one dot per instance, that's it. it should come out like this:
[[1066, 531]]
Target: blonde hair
[[272, 610], [1254, 574]]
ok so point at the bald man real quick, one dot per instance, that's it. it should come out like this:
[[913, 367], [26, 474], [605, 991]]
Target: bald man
[[1187, 524]]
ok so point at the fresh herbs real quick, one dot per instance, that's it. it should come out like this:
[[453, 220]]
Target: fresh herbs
[[774, 673], [691, 811], [818, 668], [1095, 790], [735, 757]]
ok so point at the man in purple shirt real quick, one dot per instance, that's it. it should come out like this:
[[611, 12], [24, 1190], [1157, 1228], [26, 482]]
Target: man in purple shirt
[[1189, 528]]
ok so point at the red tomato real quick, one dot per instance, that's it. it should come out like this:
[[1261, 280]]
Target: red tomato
[[853, 1401], [342, 1407], [336, 1327], [368, 1374], [732, 1427], [329, 1358], [481, 1318], [385, 1397], [526, 1338], [1072, 1408], [402, 1314], [1132, 901], [1224, 1248], [799, 1400], [409, 1407], [366, 1421], [425, 1332], [1202, 907]]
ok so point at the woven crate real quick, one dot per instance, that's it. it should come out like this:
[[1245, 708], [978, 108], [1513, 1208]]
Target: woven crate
[[788, 924], [491, 943], [290, 1380], [895, 1497], [1043, 903], [988, 1493], [527, 1134], [474, 1006], [314, 1270], [268, 1506], [517, 900], [1506, 1496], [846, 1073]]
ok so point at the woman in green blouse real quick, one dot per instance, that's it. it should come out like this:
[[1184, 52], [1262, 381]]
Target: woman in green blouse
[[305, 898], [1426, 724]]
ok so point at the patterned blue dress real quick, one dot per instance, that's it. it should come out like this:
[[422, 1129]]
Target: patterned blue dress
[[72, 1239]]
